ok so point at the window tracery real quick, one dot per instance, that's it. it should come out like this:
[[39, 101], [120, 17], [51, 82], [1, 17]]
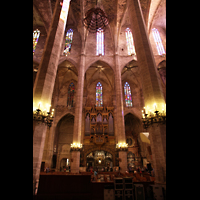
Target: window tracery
[[100, 42], [158, 42], [36, 35], [70, 98], [99, 101], [68, 42], [127, 94], [129, 42]]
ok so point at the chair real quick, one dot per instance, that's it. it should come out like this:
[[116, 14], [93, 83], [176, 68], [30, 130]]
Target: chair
[[152, 178], [102, 177], [137, 175], [134, 179], [107, 177]]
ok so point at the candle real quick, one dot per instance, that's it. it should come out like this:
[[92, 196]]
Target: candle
[[155, 107], [48, 107]]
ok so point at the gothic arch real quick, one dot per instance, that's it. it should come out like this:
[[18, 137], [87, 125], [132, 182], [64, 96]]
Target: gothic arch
[[72, 61], [67, 112], [135, 112], [103, 64], [130, 64], [162, 64], [92, 149], [133, 124], [63, 137], [97, 61]]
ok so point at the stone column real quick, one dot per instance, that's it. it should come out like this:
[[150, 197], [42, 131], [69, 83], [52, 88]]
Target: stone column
[[44, 83], [158, 147], [75, 155], [78, 115], [152, 90], [120, 132], [38, 147], [75, 161], [49, 141], [151, 85]]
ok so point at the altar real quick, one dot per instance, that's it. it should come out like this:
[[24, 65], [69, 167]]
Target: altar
[[101, 160]]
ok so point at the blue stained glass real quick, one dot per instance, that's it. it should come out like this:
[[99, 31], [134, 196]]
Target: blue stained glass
[[127, 94], [99, 101], [68, 42], [36, 35], [100, 42]]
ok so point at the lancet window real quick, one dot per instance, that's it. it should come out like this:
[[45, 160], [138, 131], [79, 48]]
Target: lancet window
[[100, 42], [158, 42], [99, 99], [36, 35], [70, 98], [129, 42], [68, 42], [127, 93]]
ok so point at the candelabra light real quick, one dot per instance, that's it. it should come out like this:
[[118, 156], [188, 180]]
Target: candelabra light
[[43, 116], [122, 146], [158, 117], [76, 147]]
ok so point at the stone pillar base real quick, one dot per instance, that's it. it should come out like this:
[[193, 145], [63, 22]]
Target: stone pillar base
[[75, 161], [38, 147], [123, 161]]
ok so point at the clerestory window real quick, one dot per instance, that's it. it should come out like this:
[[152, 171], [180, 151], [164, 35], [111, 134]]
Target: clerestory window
[[129, 42], [100, 42], [158, 42]]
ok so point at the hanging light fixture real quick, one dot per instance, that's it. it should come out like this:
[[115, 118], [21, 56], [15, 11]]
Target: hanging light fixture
[[95, 18]]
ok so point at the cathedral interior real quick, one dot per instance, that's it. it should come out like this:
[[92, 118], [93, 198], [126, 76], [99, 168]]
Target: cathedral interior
[[99, 72]]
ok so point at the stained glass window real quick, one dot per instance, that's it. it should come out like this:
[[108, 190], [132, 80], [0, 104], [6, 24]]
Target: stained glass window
[[36, 35], [158, 42], [100, 42], [99, 101], [127, 93], [129, 42], [68, 42], [70, 98]]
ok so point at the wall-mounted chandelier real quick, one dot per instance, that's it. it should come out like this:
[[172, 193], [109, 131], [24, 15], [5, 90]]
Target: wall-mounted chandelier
[[158, 117], [47, 118], [122, 146], [76, 147], [95, 18]]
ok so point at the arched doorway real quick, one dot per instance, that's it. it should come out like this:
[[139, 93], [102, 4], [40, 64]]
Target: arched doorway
[[99, 159], [64, 164], [62, 141], [132, 130]]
